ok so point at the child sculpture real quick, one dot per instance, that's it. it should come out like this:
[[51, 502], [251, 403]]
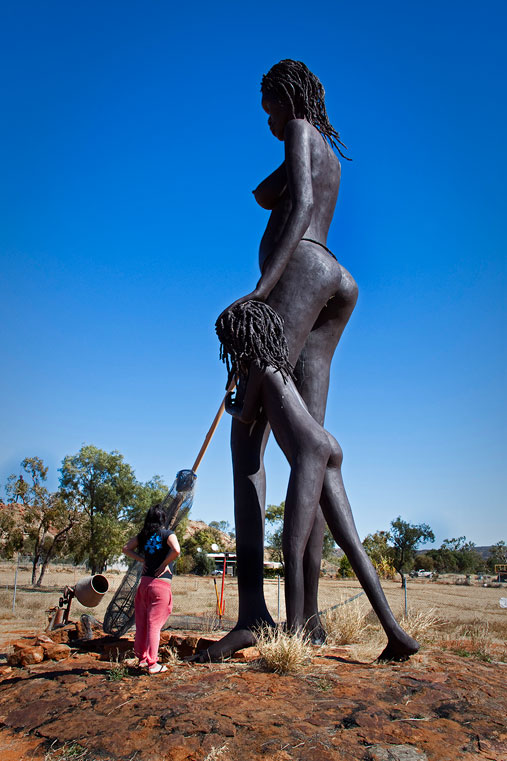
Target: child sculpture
[[254, 348]]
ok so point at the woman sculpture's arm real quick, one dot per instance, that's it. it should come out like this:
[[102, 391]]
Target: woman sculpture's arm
[[299, 180]]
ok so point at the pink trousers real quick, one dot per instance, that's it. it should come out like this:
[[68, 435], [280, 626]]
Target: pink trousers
[[153, 605]]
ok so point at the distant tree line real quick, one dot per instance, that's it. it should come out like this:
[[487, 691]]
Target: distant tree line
[[398, 548], [396, 551], [460, 556], [99, 504]]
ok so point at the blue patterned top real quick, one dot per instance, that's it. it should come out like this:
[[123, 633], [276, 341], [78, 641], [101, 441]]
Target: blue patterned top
[[155, 550]]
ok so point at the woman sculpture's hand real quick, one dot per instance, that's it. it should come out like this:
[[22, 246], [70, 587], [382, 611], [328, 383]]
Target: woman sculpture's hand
[[258, 294]]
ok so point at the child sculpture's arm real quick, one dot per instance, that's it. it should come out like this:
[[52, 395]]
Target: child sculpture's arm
[[246, 402]]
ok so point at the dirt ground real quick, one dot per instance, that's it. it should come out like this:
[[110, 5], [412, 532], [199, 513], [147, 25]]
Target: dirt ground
[[435, 707], [448, 702]]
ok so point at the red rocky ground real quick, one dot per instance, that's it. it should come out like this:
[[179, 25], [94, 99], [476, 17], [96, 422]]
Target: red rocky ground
[[437, 706]]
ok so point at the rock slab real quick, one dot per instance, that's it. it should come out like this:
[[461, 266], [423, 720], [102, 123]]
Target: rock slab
[[435, 707]]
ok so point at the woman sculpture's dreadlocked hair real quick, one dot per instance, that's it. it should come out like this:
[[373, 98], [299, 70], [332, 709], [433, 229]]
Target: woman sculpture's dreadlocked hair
[[253, 331], [292, 81]]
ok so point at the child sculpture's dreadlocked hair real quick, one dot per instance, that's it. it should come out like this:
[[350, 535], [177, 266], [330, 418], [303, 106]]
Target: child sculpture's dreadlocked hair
[[253, 331], [293, 82]]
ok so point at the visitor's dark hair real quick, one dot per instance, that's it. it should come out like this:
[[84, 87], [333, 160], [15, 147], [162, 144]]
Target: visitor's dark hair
[[293, 81], [155, 520], [253, 332]]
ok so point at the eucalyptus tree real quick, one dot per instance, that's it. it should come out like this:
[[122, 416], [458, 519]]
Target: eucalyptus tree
[[104, 488]]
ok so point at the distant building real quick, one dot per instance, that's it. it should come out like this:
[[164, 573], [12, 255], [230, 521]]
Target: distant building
[[218, 558], [230, 561]]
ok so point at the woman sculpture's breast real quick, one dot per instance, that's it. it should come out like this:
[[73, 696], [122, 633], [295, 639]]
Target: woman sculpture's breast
[[275, 227]]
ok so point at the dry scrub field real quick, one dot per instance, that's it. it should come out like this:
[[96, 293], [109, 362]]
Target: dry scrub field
[[453, 605]]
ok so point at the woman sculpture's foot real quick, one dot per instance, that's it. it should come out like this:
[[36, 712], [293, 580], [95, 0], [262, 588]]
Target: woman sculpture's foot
[[399, 649], [237, 639], [314, 630]]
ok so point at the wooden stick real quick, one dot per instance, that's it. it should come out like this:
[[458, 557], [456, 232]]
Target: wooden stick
[[213, 427]]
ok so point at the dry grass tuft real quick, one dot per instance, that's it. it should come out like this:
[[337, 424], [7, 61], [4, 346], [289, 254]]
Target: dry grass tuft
[[346, 625], [217, 753], [281, 652], [68, 752], [421, 624], [499, 629], [169, 655], [351, 624]]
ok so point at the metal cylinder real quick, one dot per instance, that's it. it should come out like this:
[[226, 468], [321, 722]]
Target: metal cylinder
[[90, 590], [57, 619]]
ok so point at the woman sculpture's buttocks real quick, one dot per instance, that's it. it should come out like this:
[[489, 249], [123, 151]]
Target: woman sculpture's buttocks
[[315, 296]]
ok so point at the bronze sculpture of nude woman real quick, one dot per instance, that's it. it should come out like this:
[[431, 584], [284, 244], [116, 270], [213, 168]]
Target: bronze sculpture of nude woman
[[315, 297]]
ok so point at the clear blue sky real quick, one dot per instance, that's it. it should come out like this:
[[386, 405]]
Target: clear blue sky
[[130, 140]]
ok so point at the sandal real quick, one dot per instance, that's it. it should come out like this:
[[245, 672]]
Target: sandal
[[158, 668], [142, 664]]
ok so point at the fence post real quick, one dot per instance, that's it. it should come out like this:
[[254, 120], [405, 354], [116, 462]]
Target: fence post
[[278, 598], [405, 588], [15, 585]]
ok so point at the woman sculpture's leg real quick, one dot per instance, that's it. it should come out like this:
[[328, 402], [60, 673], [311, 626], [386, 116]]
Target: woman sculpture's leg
[[248, 444], [336, 509], [312, 372]]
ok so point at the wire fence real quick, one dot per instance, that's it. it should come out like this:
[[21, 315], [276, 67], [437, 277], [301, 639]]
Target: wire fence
[[197, 601], [195, 598]]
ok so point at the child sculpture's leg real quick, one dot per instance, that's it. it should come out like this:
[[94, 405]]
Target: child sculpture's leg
[[308, 467], [336, 509]]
